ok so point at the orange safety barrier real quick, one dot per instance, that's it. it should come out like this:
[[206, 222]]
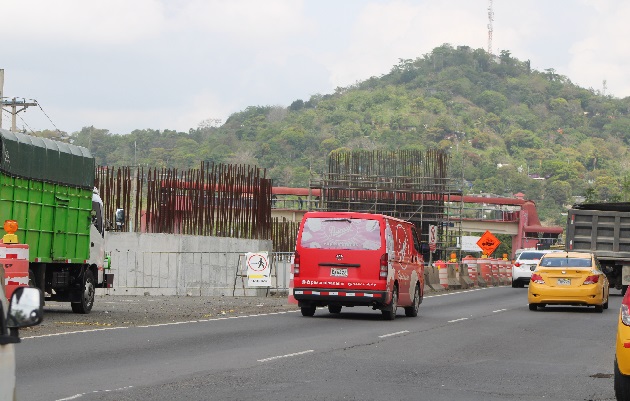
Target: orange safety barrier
[[485, 269], [442, 272], [14, 260], [494, 266], [502, 272], [471, 267]]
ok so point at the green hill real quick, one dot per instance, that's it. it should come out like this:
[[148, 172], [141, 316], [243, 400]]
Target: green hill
[[509, 128]]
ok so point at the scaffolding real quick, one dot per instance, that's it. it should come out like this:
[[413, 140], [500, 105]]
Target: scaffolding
[[407, 184]]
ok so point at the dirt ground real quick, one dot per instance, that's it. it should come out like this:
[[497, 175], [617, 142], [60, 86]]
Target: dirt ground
[[124, 311]]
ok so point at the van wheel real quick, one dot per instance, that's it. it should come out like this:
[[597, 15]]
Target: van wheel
[[412, 311], [308, 310], [389, 313], [334, 308]]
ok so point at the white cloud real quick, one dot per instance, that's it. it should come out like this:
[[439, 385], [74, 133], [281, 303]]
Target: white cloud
[[78, 21], [388, 31]]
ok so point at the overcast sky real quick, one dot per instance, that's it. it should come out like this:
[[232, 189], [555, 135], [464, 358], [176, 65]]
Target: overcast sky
[[171, 64]]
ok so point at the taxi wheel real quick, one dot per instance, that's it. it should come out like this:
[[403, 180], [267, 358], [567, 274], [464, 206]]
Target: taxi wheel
[[599, 308], [533, 307], [308, 310], [605, 305], [622, 385]]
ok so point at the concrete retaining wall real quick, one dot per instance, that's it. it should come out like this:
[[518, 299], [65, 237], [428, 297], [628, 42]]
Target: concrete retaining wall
[[167, 264]]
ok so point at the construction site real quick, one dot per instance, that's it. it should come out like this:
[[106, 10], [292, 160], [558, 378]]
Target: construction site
[[407, 184]]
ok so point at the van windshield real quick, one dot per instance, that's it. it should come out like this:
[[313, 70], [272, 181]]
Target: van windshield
[[341, 233]]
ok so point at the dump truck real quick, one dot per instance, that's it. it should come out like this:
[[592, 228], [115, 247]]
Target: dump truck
[[47, 192], [604, 229]]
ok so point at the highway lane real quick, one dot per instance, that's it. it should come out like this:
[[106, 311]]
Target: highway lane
[[474, 345]]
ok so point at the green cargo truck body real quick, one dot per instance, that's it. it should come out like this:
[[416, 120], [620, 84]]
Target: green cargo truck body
[[48, 188]]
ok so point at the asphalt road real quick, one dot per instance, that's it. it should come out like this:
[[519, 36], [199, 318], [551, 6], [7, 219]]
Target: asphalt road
[[473, 345]]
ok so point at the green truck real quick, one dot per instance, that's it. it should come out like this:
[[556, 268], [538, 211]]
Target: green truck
[[47, 187]]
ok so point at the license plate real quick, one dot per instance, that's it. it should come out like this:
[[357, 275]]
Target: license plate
[[336, 272], [564, 281]]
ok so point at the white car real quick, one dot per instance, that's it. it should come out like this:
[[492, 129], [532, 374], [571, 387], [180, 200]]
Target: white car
[[524, 264], [25, 309]]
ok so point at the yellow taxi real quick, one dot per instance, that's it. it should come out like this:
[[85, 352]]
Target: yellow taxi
[[622, 351], [568, 278]]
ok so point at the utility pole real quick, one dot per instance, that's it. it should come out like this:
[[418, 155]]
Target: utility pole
[[13, 104], [1, 92], [490, 19]]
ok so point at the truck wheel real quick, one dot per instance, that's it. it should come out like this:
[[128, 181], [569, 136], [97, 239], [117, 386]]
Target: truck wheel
[[87, 295], [334, 308], [389, 313], [308, 310], [31, 278], [412, 311]]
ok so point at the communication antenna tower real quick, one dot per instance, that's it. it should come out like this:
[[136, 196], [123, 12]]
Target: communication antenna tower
[[490, 19]]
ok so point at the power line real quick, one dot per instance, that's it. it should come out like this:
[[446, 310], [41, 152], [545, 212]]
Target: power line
[[42, 109]]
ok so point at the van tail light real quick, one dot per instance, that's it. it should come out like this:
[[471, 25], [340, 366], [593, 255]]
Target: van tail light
[[382, 274], [591, 280], [537, 278], [296, 264], [625, 309]]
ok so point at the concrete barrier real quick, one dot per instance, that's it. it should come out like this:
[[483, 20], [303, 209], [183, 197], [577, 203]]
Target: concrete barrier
[[454, 281]]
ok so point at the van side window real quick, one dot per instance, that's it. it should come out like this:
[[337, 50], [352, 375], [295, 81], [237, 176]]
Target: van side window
[[416, 241]]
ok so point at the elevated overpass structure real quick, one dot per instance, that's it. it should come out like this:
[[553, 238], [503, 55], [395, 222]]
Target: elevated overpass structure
[[516, 217]]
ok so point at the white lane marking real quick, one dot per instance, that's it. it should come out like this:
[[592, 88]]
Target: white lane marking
[[73, 332], [458, 292], [458, 320], [151, 325], [286, 356], [74, 397], [499, 310], [394, 334]]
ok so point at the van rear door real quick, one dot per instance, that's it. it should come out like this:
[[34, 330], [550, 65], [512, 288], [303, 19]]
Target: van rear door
[[341, 252]]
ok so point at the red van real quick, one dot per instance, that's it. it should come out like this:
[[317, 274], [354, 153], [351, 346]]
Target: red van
[[358, 259]]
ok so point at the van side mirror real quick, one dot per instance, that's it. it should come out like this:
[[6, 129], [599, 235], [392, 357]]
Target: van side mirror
[[26, 308], [120, 218]]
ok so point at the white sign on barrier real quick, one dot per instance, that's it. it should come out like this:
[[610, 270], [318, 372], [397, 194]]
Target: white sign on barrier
[[258, 269], [469, 243]]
